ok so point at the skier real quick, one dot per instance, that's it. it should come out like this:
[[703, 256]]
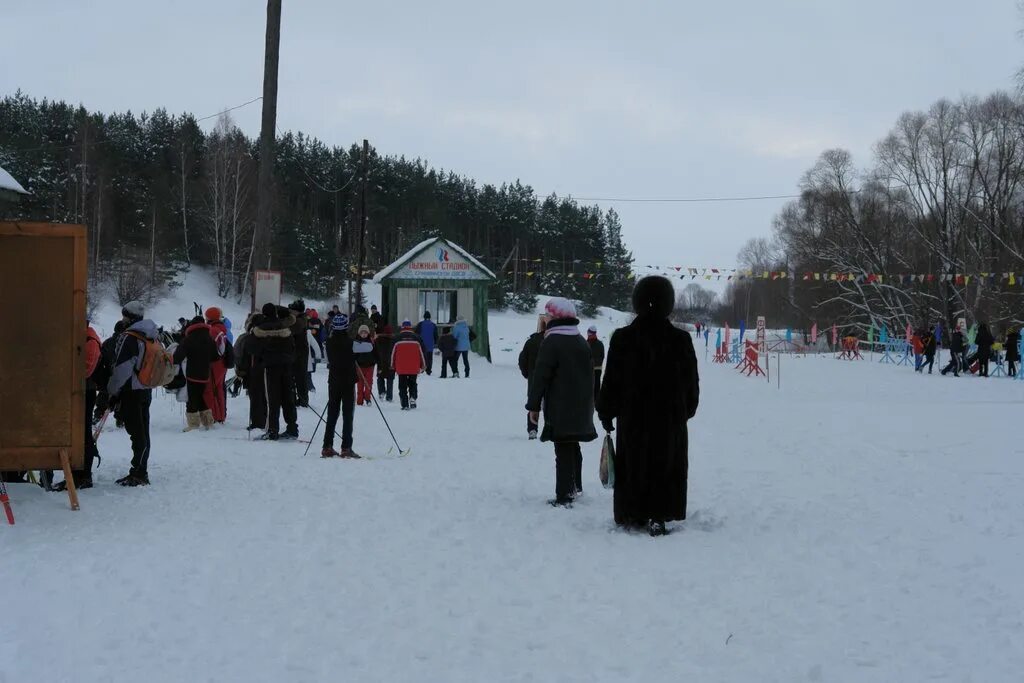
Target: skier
[[446, 345], [427, 331], [96, 372], [929, 344], [199, 352], [562, 383], [1012, 351], [956, 349], [300, 353], [366, 359], [463, 336], [407, 361], [275, 353], [651, 389], [107, 358], [984, 340], [216, 394], [127, 394], [527, 361], [341, 380], [597, 352], [385, 372], [316, 327], [250, 371]]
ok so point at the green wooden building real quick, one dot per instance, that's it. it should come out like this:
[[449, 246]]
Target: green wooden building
[[443, 278]]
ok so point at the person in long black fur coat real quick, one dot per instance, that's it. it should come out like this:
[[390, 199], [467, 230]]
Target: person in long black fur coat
[[650, 391]]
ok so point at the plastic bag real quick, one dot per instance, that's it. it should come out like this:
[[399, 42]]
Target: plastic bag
[[607, 467]]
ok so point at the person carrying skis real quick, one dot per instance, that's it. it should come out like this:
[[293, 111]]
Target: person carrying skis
[[199, 352], [275, 353], [385, 372], [407, 360], [341, 380], [427, 331], [216, 394], [96, 372], [527, 361], [446, 345], [562, 385], [956, 349], [463, 336], [366, 359], [597, 353], [128, 395]]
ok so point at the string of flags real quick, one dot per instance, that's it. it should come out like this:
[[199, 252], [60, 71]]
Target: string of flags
[[729, 274]]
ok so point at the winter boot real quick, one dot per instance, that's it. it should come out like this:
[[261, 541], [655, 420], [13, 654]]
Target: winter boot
[[291, 433], [206, 417], [533, 435], [192, 421], [134, 479], [412, 403], [560, 502], [656, 528], [349, 453], [329, 452], [268, 436]]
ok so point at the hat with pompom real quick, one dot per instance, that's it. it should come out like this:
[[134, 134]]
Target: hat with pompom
[[339, 322], [560, 307]]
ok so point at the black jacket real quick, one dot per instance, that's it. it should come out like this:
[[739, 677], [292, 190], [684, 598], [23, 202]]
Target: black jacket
[[341, 361], [562, 383], [984, 340], [1012, 348], [528, 356], [198, 350], [956, 342], [366, 358], [650, 390], [299, 341], [446, 344], [929, 344], [597, 352], [384, 346], [274, 342]]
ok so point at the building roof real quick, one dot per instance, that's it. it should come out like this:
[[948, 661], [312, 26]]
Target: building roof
[[7, 182], [422, 246]]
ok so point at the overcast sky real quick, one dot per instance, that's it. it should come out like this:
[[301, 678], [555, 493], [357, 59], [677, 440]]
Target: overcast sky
[[591, 98]]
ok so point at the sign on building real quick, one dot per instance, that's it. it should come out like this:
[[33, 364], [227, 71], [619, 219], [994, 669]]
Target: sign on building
[[266, 288]]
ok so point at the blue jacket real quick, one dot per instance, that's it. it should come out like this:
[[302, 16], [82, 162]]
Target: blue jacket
[[427, 331], [461, 334]]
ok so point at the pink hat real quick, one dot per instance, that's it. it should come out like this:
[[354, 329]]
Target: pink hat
[[558, 307]]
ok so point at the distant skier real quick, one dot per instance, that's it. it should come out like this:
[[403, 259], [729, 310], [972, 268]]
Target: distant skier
[[275, 353], [1012, 351], [216, 393], [651, 389], [527, 361], [463, 337], [385, 344], [562, 384], [984, 341], [427, 331], [597, 352], [127, 394], [199, 353], [341, 381], [446, 345], [376, 318], [315, 355], [366, 359], [956, 349], [930, 346], [407, 360]]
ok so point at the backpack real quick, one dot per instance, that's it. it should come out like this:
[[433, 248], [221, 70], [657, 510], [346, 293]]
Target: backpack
[[229, 355], [157, 367]]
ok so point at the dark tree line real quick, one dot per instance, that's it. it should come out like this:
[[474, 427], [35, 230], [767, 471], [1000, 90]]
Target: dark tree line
[[159, 194]]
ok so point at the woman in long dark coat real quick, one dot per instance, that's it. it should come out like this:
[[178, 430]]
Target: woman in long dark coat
[[651, 390]]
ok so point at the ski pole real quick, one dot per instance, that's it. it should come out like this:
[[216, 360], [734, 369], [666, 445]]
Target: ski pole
[[6, 502], [99, 428], [376, 403], [313, 436]]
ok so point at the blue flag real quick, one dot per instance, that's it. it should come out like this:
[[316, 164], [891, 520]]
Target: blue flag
[[938, 333], [789, 335], [718, 339]]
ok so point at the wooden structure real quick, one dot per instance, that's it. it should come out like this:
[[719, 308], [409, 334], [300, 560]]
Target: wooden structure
[[441, 277], [42, 367]]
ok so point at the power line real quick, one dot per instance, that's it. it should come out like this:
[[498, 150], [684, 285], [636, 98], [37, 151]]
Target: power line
[[686, 200], [238, 106]]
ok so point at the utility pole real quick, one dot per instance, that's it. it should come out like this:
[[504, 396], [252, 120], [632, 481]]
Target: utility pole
[[268, 132], [362, 223]]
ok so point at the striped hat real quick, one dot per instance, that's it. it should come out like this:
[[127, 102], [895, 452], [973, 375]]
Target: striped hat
[[339, 322]]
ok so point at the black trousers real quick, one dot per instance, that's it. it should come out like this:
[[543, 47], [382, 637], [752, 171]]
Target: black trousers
[[407, 389], [568, 470], [257, 390], [953, 365], [449, 361], [341, 399], [983, 366], [465, 362], [300, 381], [196, 403], [1011, 368], [279, 382], [134, 410], [929, 362], [386, 386], [428, 361], [597, 383]]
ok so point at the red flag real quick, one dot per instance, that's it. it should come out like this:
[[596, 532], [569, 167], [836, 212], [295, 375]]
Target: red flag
[[814, 333]]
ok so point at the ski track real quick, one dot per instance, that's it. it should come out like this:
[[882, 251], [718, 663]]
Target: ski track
[[861, 523]]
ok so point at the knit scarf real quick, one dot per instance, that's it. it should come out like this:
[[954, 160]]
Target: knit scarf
[[566, 326]]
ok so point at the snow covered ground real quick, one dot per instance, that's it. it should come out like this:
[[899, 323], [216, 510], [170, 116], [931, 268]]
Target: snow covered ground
[[860, 523]]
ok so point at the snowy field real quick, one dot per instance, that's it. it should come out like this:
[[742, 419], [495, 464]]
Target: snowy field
[[860, 523]]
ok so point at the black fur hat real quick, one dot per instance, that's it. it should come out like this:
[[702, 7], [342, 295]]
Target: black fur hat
[[654, 295], [269, 310]]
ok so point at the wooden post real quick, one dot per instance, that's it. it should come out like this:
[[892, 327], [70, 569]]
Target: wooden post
[[268, 132], [69, 479], [362, 224]]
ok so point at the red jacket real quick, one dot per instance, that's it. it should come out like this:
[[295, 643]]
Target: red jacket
[[92, 351], [407, 356], [220, 335]]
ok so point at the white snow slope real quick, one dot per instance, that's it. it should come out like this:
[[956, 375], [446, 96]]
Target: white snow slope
[[860, 523]]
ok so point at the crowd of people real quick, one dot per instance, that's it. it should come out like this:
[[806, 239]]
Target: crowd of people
[[971, 351]]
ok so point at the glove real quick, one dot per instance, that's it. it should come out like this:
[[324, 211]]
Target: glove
[[608, 426]]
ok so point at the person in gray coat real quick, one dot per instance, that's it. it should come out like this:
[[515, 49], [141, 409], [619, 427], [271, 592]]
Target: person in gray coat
[[562, 384]]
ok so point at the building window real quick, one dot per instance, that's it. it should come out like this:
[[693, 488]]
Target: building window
[[442, 304]]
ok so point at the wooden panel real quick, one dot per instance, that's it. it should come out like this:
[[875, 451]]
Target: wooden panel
[[464, 304], [41, 355], [408, 304]]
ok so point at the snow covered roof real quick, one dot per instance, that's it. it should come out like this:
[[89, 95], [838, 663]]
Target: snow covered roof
[[7, 182], [423, 246]]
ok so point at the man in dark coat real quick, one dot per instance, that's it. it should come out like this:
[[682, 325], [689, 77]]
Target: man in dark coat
[[1012, 351], [300, 361], [527, 361], [984, 340], [249, 370], [930, 347], [426, 329], [956, 350], [597, 351], [562, 383], [385, 373], [341, 386], [650, 391], [275, 353]]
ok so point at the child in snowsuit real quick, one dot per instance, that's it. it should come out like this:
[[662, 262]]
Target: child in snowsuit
[[408, 362], [366, 359], [216, 394], [446, 345], [198, 350]]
